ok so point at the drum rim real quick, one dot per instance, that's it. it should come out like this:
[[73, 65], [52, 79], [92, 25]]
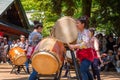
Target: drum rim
[[51, 37], [66, 17]]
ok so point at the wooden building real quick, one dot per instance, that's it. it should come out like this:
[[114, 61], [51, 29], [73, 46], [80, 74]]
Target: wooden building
[[13, 20]]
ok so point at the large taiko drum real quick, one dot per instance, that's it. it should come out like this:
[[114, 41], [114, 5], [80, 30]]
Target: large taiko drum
[[17, 56], [65, 30], [48, 56]]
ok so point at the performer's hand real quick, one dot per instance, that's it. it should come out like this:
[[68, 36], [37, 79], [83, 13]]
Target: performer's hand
[[71, 47]]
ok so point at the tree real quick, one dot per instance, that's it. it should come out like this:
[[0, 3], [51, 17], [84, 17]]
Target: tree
[[86, 7], [104, 14]]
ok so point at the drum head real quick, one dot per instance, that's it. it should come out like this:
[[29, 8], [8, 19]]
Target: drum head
[[20, 60], [17, 56], [65, 30], [45, 63]]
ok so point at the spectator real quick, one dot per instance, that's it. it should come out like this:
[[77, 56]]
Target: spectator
[[1, 47], [100, 36], [102, 43], [14, 44], [104, 59], [118, 42], [115, 47], [118, 61], [109, 64], [5, 51], [110, 43], [18, 40]]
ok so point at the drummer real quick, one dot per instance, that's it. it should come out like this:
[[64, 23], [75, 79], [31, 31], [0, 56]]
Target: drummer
[[97, 58], [83, 48], [34, 39], [24, 46]]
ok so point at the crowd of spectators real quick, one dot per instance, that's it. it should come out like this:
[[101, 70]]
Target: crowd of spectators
[[5, 46], [110, 52]]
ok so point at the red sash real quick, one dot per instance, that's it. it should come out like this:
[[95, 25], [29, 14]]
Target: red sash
[[30, 51], [85, 54]]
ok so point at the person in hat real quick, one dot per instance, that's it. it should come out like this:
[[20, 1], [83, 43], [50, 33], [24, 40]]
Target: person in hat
[[34, 38]]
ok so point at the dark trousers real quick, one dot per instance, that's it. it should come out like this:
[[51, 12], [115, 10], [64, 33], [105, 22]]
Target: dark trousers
[[33, 75], [95, 69], [84, 69]]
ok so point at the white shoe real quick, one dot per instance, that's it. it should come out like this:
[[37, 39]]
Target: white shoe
[[118, 70], [1, 62]]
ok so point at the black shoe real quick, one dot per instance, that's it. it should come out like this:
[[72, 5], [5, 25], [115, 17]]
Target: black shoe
[[18, 71], [64, 76]]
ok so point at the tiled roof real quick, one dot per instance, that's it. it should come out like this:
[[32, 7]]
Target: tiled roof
[[4, 4]]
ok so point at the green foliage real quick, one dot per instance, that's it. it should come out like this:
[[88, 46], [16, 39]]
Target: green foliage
[[104, 14], [30, 5], [47, 27]]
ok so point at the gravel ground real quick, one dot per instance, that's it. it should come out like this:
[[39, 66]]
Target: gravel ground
[[6, 75]]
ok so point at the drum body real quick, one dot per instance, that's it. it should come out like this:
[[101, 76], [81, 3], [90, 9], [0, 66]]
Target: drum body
[[48, 56], [65, 30], [17, 56]]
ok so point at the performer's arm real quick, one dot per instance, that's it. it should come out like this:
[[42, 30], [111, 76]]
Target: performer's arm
[[81, 45], [96, 46]]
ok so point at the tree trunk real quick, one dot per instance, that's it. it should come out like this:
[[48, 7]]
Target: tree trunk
[[86, 7]]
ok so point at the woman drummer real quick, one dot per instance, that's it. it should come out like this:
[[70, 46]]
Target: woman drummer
[[83, 53], [97, 58]]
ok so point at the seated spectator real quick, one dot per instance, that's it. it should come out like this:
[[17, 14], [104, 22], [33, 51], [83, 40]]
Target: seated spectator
[[108, 61], [118, 61], [104, 59], [115, 47]]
